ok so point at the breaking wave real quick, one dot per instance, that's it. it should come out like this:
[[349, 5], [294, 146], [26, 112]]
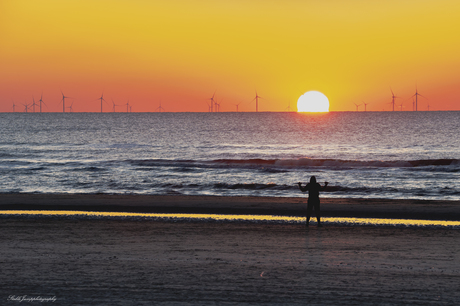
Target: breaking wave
[[279, 164]]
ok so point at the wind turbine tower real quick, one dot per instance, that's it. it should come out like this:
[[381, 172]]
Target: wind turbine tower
[[160, 108], [393, 97], [211, 108], [26, 107], [63, 101], [127, 107], [365, 106], [114, 105], [33, 104], [41, 101], [288, 109], [102, 99], [218, 105], [416, 98], [257, 101], [14, 107]]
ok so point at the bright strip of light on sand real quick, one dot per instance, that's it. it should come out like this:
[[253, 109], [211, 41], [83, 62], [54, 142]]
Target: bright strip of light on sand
[[248, 218]]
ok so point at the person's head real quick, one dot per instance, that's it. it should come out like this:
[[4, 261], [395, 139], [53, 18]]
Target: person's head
[[313, 179]]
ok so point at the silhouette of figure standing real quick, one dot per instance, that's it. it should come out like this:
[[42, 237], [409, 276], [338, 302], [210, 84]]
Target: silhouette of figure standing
[[313, 189]]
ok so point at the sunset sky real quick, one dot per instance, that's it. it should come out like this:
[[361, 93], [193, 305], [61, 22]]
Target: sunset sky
[[181, 52]]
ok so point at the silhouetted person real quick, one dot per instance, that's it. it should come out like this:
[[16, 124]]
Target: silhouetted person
[[313, 189]]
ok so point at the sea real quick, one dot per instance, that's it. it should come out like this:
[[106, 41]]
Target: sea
[[388, 155]]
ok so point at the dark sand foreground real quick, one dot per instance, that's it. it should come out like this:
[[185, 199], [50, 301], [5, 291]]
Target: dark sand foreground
[[107, 262]]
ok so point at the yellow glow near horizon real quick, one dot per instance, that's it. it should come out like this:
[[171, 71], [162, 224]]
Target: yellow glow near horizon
[[217, 217], [313, 102]]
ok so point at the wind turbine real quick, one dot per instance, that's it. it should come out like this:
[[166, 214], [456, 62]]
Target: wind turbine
[[288, 108], [211, 108], [127, 107], [393, 97], [41, 101], [257, 101], [102, 99], [357, 106], [237, 106], [416, 98], [26, 107], [160, 108], [114, 105], [71, 108], [401, 106], [33, 104], [14, 107], [365, 106], [218, 105], [63, 101]]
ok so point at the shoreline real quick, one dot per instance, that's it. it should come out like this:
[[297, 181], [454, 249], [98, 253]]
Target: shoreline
[[248, 205]]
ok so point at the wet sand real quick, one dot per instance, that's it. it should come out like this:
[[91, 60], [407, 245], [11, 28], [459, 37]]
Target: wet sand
[[330, 207], [107, 262]]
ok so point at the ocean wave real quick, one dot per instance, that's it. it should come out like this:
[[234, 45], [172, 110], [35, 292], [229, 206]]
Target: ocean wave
[[263, 165], [251, 186], [279, 164], [7, 155], [294, 187], [89, 169], [338, 163]]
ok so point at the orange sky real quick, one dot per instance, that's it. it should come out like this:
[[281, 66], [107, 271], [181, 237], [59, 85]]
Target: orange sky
[[181, 52]]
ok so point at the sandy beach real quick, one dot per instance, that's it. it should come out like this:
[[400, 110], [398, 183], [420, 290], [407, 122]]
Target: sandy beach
[[107, 262]]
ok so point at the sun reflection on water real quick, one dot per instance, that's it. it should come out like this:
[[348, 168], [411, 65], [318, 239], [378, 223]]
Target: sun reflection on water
[[234, 218]]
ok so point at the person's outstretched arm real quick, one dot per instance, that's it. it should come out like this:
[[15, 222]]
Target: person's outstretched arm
[[325, 185], [303, 189]]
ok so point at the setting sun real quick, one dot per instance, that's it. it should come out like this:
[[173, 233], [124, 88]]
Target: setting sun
[[312, 102]]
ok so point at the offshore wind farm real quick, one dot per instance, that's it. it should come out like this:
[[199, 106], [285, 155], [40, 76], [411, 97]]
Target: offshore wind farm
[[213, 106]]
